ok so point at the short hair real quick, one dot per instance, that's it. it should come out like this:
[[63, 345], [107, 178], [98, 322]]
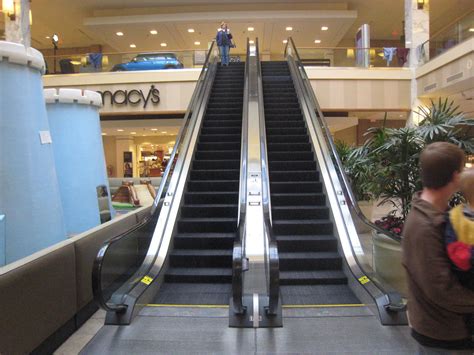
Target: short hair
[[466, 182], [438, 162]]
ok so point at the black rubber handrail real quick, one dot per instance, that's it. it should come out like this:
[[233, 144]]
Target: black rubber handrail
[[157, 204], [273, 258], [238, 266], [348, 194]]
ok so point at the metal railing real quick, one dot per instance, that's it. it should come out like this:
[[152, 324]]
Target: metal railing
[[238, 260], [273, 262], [123, 262]]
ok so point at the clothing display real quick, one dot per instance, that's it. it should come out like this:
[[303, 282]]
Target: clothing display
[[388, 54]]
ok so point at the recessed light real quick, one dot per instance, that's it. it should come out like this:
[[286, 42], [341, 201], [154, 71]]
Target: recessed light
[[164, 132], [191, 30], [163, 44], [120, 34], [285, 41], [197, 43], [317, 41], [250, 29], [251, 42], [154, 32], [120, 130], [289, 28], [133, 46], [48, 37], [133, 132], [104, 134], [154, 129], [471, 29], [324, 28], [144, 135]]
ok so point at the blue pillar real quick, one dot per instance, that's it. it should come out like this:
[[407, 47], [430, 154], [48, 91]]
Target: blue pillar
[[79, 155], [29, 192]]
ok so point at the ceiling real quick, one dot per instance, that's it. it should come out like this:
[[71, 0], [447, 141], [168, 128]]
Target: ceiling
[[142, 128], [88, 22]]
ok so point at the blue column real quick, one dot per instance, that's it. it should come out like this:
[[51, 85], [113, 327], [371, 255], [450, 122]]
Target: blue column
[[29, 192], [79, 155]]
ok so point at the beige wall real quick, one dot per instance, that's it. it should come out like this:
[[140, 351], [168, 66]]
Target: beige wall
[[347, 135], [110, 154]]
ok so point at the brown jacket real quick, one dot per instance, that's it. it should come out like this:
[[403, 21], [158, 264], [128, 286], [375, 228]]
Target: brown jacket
[[437, 303]]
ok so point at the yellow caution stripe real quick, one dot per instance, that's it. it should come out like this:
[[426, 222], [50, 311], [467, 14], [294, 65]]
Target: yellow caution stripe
[[323, 305], [188, 305]]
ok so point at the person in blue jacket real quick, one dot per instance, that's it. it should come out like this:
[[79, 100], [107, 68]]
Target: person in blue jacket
[[224, 41]]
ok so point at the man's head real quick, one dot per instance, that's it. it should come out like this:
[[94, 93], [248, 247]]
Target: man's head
[[440, 164], [466, 184]]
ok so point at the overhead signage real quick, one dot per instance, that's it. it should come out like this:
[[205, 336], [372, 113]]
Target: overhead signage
[[131, 97]]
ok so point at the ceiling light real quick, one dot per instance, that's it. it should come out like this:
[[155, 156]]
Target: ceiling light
[[250, 29], [251, 42], [104, 134], [120, 130], [471, 29], [317, 41], [285, 41], [197, 43], [133, 132], [144, 135], [154, 32], [55, 38], [133, 46], [154, 129], [164, 132], [163, 44], [289, 28], [48, 37], [191, 30], [324, 28], [120, 34]]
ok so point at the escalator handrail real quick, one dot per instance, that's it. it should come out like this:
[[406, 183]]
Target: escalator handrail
[[157, 204], [238, 249], [273, 258], [329, 140]]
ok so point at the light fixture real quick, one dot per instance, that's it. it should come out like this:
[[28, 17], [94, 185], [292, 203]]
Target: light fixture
[[133, 132], [317, 41], [420, 4], [120, 34], [289, 28], [30, 15], [251, 42], [471, 29], [8, 7], [324, 28], [163, 44], [119, 130], [133, 45], [48, 37], [250, 29], [197, 43], [154, 32], [154, 129], [350, 53], [164, 132], [104, 134], [55, 39], [191, 30], [285, 41]]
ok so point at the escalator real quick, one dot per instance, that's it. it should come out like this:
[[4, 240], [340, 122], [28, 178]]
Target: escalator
[[311, 267], [200, 264]]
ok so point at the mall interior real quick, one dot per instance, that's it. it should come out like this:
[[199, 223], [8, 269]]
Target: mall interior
[[156, 199]]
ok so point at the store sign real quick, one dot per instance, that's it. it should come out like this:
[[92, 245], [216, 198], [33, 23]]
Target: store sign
[[131, 97]]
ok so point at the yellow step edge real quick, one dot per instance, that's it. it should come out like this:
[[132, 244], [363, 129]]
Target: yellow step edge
[[284, 306]]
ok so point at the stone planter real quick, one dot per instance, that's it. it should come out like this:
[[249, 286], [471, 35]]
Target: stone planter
[[387, 262]]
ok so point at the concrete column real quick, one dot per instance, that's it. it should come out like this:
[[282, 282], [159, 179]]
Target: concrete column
[[17, 27], [417, 31]]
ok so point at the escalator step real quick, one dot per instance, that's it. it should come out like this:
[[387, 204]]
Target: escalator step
[[222, 130], [217, 164], [287, 156], [214, 185], [217, 154], [216, 197], [294, 175], [288, 147], [291, 187], [222, 123], [310, 261], [219, 146], [199, 275], [219, 138], [293, 165], [204, 240], [302, 226], [282, 138], [215, 174], [301, 199], [209, 211], [197, 258], [300, 212], [303, 243], [331, 277]]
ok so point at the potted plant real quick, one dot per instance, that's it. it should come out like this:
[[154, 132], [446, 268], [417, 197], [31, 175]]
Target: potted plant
[[392, 155]]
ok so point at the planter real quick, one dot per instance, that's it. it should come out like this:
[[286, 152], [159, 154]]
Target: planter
[[387, 262]]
